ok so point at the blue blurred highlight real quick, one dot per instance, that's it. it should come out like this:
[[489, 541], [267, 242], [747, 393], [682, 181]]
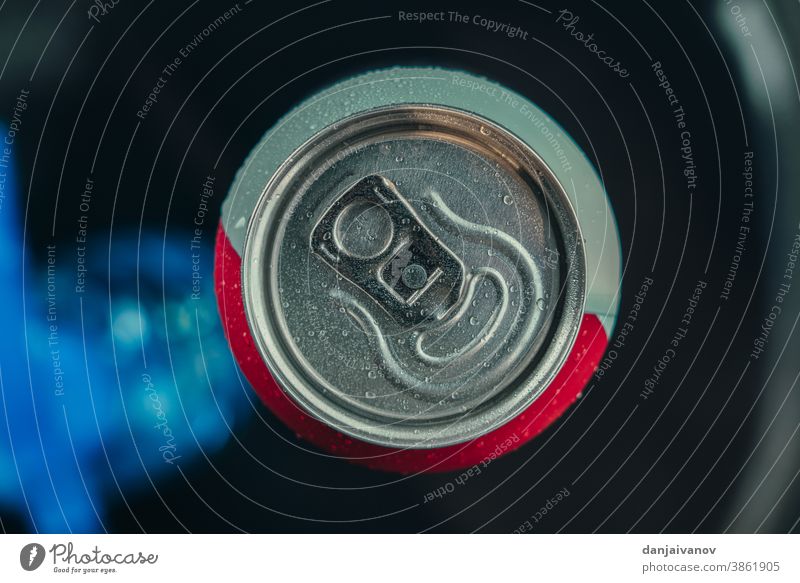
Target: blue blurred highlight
[[106, 390]]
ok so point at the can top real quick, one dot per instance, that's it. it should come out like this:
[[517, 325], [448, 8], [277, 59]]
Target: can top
[[414, 275]]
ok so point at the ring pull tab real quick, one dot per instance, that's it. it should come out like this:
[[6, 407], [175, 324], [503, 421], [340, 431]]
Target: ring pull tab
[[373, 237]]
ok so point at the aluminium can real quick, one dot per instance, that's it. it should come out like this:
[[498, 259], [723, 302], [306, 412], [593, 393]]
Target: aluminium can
[[417, 269]]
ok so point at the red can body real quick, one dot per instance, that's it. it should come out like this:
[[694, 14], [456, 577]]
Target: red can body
[[563, 391]]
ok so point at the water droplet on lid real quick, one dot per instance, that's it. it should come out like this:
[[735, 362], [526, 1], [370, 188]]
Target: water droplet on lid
[[507, 199], [473, 320], [540, 303]]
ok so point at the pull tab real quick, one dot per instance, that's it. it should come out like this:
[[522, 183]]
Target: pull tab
[[371, 236]]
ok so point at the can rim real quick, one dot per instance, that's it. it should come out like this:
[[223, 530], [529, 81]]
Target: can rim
[[517, 396]]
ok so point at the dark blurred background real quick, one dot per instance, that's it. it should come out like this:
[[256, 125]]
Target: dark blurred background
[[713, 448]]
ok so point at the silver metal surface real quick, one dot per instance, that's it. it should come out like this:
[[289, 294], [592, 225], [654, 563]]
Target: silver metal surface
[[414, 276]]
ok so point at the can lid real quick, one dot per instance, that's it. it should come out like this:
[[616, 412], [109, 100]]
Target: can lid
[[414, 276]]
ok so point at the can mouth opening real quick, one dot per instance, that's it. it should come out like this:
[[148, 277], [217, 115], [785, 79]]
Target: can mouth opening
[[414, 276]]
